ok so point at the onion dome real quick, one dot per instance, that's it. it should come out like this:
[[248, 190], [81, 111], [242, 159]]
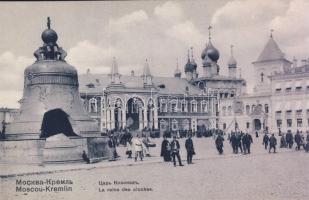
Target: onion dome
[[211, 52], [189, 67], [193, 63], [232, 63]]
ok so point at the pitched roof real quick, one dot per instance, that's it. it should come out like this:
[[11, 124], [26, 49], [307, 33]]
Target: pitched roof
[[271, 52], [171, 85]]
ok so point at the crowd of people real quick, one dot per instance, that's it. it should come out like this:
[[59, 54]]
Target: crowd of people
[[138, 146], [287, 140], [240, 142]]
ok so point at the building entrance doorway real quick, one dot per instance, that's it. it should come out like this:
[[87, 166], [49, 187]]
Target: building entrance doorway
[[257, 124], [134, 113]]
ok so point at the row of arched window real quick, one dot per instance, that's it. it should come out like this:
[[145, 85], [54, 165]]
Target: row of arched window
[[227, 110], [183, 106]]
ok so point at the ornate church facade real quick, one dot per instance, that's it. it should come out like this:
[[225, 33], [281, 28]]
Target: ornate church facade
[[210, 100], [165, 103]]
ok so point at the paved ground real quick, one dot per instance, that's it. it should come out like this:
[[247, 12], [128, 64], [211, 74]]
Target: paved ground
[[284, 175]]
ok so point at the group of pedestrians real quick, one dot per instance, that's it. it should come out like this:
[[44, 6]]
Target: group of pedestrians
[[241, 142], [171, 150], [287, 140], [271, 141]]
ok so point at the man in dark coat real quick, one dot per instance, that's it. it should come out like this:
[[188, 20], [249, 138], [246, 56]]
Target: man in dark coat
[[175, 147], [166, 149], [233, 141], [298, 140], [283, 141], [219, 143], [190, 149], [247, 142], [272, 143], [243, 141], [112, 145], [265, 140], [239, 145], [289, 139]]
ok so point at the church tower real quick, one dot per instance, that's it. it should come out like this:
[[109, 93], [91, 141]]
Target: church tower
[[189, 68], [115, 76], [232, 65], [177, 73], [270, 61], [147, 77], [210, 56]]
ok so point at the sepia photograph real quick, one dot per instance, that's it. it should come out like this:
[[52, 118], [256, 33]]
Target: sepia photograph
[[154, 99]]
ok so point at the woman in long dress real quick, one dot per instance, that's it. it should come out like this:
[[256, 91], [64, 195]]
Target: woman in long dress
[[166, 150]]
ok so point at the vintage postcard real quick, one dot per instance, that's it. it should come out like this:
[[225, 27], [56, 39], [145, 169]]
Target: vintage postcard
[[171, 100]]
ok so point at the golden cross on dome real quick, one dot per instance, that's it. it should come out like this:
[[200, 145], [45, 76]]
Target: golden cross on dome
[[48, 22], [209, 32]]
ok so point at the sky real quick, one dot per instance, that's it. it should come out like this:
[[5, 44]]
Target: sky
[[93, 33]]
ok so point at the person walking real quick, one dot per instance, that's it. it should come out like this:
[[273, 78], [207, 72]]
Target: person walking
[[233, 141], [239, 145], [283, 141], [243, 141], [138, 147], [289, 139], [219, 143], [307, 142], [265, 140], [190, 149], [248, 141], [272, 143], [166, 149], [298, 140], [129, 148], [112, 146], [175, 147]]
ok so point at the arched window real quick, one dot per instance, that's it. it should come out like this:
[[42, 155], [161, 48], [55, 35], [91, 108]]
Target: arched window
[[247, 109], [193, 106], [173, 105], [262, 77], [253, 108], [93, 108], [163, 106], [266, 108], [224, 111], [204, 106], [163, 125], [184, 107], [174, 125]]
